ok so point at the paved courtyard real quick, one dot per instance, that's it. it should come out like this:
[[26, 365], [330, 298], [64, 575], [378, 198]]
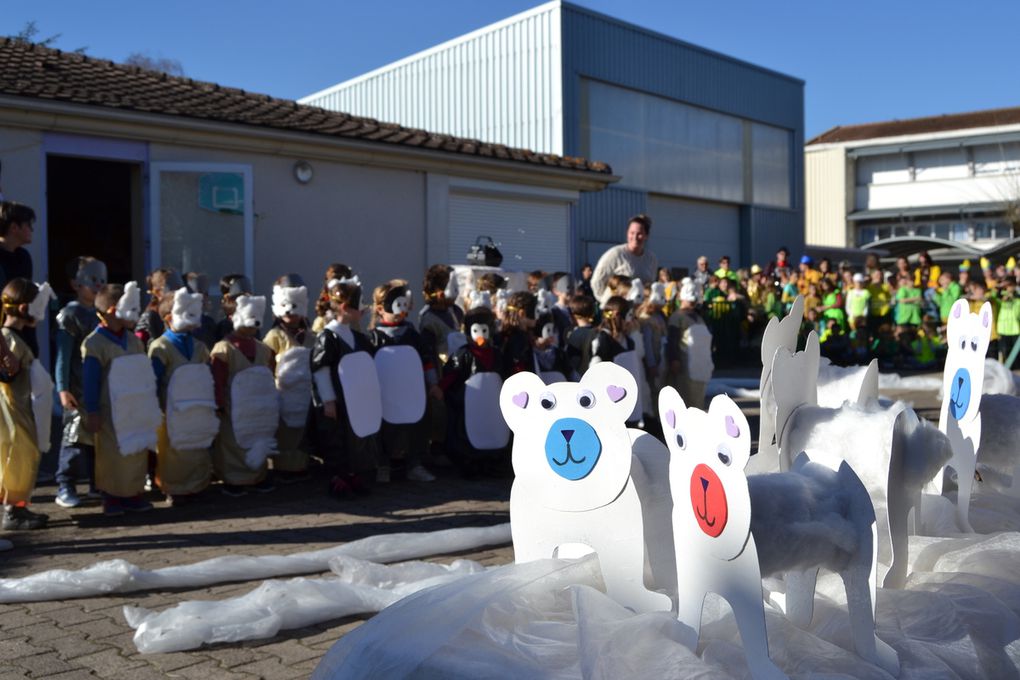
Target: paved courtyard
[[88, 638]]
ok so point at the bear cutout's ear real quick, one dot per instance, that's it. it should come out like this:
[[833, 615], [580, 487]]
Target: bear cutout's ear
[[782, 333], [986, 318], [671, 409], [959, 312], [735, 434], [519, 399], [613, 385]]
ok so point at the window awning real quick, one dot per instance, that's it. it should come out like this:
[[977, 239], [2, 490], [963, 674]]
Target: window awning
[[904, 246], [927, 211], [933, 144]]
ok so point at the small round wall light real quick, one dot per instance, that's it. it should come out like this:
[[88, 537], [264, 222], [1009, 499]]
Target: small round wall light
[[303, 172]]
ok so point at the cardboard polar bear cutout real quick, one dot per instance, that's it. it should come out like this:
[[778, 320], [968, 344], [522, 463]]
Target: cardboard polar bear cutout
[[967, 337], [894, 452], [191, 420], [39, 379], [293, 366], [254, 403], [729, 530], [572, 459], [134, 406]]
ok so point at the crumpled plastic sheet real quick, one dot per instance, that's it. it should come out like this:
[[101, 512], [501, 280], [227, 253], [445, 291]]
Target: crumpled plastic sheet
[[742, 388], [959, 617], [362, 587], [913, 383], [120, 576]]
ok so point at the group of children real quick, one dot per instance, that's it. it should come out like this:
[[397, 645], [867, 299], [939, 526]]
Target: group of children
[[167, 397]]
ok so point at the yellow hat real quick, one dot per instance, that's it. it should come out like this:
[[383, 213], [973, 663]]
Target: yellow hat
[[1011, 263], [755, 269], [985, 263], [965, 266]]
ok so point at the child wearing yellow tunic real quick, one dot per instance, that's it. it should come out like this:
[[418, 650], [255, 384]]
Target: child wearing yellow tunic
[[119, 476], [19, 450], [180, 473], [291, 341], [238, 351]]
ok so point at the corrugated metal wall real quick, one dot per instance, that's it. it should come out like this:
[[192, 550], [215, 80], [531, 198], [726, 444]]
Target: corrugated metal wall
[[825, 204], [766, 230], [500, 84]]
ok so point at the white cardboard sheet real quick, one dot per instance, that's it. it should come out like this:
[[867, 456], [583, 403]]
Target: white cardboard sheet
[[486, 429], [362, 393], [401, 384]]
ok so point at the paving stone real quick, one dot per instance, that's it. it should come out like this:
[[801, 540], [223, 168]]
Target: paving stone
[[211, 671], [270, 668], [16, 648], [43, 665], [73, 646], [290, 652], [109, 663]]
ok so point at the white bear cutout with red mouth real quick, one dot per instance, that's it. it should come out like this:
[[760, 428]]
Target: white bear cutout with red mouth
[[572, 459]]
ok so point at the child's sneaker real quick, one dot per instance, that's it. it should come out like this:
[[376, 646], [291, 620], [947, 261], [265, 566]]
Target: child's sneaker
[[18, 518], [382, 474], [233, 490], [136, 504], [112, 507], [67, 497], [265, 486], [419, 474]]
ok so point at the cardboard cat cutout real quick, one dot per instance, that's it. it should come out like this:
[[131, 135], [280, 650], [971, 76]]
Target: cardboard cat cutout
[[572, 458], [967, 338]]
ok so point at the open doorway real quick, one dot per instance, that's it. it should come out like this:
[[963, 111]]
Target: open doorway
[[94, 207]]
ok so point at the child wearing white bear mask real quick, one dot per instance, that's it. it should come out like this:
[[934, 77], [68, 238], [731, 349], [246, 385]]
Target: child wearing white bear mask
[[185, 469], [291, 340]]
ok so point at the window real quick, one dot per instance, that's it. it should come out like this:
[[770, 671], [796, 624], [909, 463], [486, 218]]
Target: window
[[992, 230], [866, 235], [958, 231], [922, 230], [996, 159], [941, 230], [940, 164]]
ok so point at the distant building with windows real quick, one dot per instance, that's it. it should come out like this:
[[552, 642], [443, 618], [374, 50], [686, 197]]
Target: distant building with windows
[[950, 181], [708, 145]]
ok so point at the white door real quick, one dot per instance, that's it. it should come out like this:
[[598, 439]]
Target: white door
[[682, 230], [531, 233]]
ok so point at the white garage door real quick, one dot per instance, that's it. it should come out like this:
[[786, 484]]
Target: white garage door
[[682, 230], [532, 234]]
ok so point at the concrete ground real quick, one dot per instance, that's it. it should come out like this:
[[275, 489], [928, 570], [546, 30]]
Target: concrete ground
[[89, 638]]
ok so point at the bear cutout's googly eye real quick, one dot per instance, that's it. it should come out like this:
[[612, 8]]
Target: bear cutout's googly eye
[[585, 399], [974, 343], [963, 343], [681, 441], [548, 401], [724, 455]]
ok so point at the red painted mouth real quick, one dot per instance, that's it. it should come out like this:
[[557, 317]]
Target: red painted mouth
[[708, 499]]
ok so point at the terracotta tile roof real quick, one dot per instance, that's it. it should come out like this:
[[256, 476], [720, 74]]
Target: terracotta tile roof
[[918, 126], [28, 70]]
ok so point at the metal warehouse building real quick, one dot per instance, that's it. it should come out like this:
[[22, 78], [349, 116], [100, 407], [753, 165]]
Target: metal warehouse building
[[708, 145]]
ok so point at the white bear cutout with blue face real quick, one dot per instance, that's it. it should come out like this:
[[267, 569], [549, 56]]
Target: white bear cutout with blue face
[[967, 337]]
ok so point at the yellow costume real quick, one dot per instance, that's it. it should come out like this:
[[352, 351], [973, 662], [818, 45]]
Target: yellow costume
[[118, 475], [19, 451], [178, 472], [288, 439], [227, 454]]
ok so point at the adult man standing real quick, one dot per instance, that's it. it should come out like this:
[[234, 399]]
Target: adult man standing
[[631, 259]]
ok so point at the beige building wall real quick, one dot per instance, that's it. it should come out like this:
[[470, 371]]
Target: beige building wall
[[825, 194]]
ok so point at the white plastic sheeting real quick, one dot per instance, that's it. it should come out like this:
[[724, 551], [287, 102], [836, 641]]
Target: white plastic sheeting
[[120, 576], [362, 587]]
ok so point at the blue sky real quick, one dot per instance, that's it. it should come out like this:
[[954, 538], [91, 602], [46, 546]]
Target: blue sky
[[862, 61]]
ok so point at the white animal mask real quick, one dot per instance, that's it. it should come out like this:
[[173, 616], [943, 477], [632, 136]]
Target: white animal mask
[[502, 299], [658, 294], [549, 331], [564, 286], [37, 309], [249, 312], [186, 314], [479, 333], [637, 292], [290, 301], [481, 298], [401, 304], [91, 275], [546, 301], [688, 290], [452, 290], [129, 307]]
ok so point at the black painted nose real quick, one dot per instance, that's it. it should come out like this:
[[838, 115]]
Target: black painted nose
[[960, 381], [704, 484], [567, 434]]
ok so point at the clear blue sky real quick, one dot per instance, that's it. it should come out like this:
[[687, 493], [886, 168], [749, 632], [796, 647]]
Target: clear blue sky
[[862, 61]]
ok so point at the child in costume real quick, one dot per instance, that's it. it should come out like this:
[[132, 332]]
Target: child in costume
[[439, 324], [561, 284], [689, 347], [478, 356], [74, 323], [344, 377], [550, 358], [26, 402], [652, 322], [120, 400], [162, 283], [613, 336], [407, 377], [232, 286], [186, 394], [198, 284], [582, 308], [247, 400], [516, 337], [337, 271], [291, 340]]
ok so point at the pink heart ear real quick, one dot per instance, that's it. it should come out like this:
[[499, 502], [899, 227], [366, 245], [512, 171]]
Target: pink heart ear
[[520, 400], [986, 318], [731, 427], [616, 393], [957, 309], [671, 418]]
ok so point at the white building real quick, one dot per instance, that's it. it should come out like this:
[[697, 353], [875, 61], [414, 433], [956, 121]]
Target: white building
[[951, 180], [708, 145]]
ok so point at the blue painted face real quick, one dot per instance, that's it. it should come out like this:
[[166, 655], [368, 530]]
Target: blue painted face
[[572, 448], [959, 393]]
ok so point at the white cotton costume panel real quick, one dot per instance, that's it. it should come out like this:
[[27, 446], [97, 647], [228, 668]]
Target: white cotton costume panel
[[483, 420], [191, 421], [294, 383], [133, 403], [42, 404], [362, 394], [255, 413], [402, 384]]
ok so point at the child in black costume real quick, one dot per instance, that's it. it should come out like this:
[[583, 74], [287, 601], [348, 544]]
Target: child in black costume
[[516, 338]]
